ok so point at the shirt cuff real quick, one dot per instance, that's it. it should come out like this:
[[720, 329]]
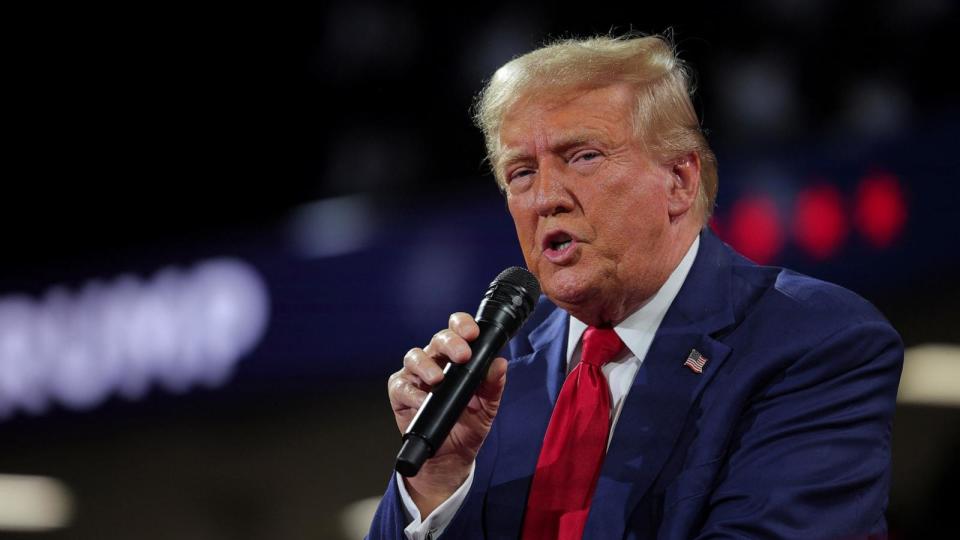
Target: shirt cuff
[[437, 521]]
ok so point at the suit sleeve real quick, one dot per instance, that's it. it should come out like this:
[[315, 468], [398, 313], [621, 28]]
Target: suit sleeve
[[810, 457], [390, 519]]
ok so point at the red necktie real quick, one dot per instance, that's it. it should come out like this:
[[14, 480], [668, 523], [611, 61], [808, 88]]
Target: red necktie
[[574, 446]]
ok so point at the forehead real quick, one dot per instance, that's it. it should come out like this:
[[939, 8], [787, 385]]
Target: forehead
[[543, 118]]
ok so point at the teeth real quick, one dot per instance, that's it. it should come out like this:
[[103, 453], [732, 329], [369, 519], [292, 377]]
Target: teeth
[[562, 245]]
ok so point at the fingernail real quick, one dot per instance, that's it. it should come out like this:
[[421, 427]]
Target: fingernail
[[434, 373]]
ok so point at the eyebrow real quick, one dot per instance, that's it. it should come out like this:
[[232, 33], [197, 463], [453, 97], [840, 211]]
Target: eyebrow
[[561, 144]]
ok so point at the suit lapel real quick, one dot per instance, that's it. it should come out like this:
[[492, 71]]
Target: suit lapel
[[524, 414], [664, 390]]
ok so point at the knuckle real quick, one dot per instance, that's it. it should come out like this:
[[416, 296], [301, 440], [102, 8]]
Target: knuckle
[[463, 325], [441, 336], [399, 379], [447, 337], [439, 343], [403, 394], [413, 357], [454, 344]]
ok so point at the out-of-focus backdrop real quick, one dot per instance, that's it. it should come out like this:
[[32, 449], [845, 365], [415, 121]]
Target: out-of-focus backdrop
[[222, 229]]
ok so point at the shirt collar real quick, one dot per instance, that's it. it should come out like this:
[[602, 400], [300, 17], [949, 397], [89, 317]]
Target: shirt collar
[[637, 330]]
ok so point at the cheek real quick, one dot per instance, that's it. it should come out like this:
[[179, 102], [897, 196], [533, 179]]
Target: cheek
[[526, 228], [633, 218]]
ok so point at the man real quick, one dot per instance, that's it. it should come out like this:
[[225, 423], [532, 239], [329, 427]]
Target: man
[[736, 400]]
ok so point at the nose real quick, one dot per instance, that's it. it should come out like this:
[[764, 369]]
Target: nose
[[552, 195]]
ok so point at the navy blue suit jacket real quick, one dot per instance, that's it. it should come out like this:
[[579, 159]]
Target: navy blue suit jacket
[[785, 434]]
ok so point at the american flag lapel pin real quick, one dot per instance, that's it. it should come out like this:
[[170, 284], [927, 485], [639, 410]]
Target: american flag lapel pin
[[696, 361]]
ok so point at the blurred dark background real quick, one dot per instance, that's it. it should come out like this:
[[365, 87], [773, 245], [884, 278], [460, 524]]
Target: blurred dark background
[[223, 228]]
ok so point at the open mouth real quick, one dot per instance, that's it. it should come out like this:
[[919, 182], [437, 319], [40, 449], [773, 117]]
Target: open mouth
[[560, 245], [557, 243]]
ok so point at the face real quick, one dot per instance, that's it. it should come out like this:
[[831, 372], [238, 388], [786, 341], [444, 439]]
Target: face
[[595, 214]]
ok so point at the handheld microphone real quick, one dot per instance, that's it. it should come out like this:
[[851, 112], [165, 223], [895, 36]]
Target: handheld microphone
[[505, 307]]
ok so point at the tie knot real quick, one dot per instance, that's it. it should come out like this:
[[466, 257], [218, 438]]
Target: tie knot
[[600, 345]]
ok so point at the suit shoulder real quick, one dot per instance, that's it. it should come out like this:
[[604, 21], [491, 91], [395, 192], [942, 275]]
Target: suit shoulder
[[803, 302], [799, 324], [825, 299]]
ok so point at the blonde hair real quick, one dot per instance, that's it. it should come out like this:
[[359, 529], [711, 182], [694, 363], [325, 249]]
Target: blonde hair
[[664, 119]]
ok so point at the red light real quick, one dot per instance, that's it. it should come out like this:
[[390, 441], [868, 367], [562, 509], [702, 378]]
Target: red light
[[819, 222], [754, 228], [880, 209]]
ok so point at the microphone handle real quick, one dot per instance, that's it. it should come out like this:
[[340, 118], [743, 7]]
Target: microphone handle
[[444, 405]]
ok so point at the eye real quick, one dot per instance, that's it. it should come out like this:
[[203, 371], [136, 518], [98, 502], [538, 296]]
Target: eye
[[586, 155], [518, 173]]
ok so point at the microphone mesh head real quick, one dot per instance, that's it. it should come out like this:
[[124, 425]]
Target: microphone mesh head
[[522, 278]]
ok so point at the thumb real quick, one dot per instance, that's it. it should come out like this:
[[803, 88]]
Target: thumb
[[492, 386]]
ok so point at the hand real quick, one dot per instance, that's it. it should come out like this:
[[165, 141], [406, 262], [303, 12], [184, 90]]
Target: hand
[[442, 474]]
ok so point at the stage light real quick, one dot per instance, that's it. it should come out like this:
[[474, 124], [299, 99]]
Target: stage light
[[333, 227], [819, 221], [931, 375], [355, 518], [880, 209], [754, 229], [33, 503], [759, 95]]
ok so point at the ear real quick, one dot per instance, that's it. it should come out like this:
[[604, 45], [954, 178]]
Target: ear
[[684, 185]]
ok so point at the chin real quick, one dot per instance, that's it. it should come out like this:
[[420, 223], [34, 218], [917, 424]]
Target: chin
[[568, 290]]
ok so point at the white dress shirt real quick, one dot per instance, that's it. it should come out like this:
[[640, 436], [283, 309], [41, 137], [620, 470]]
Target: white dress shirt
[[636, 332]]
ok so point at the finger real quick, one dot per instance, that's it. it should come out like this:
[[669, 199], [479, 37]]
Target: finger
[[404, 394], [492, 386], [446, 344], [498, 371], [464, 326], [419, 363]]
